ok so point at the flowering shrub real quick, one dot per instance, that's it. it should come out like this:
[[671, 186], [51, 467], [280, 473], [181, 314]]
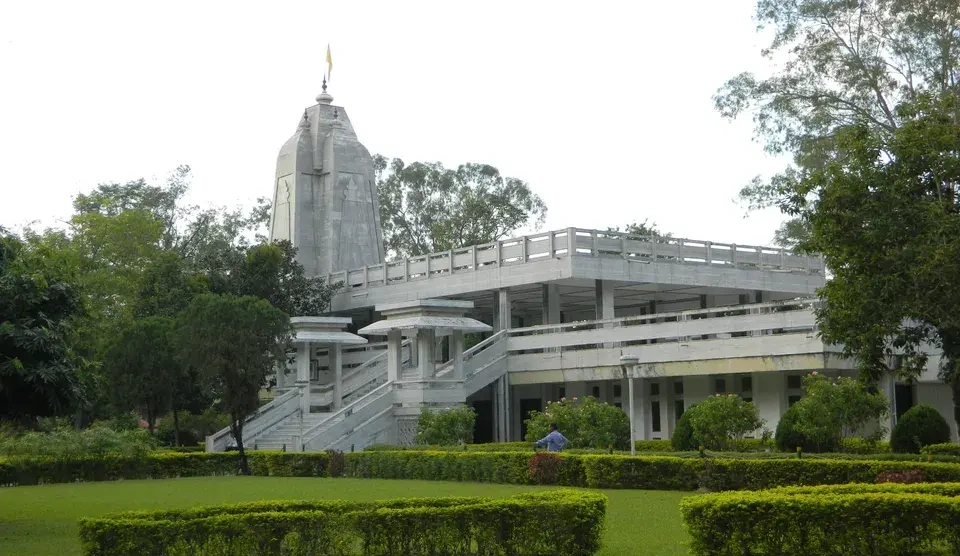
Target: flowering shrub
[[833, 409], [904, 477], [544, 468], [721, 420], [585, 422], [447, 426], [336, 463]]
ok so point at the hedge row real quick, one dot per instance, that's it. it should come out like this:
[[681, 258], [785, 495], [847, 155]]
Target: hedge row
[[558, 522], [850, 519], [945, 449], [592, 470]]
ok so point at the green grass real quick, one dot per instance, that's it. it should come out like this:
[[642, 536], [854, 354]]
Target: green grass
[[42, 520]]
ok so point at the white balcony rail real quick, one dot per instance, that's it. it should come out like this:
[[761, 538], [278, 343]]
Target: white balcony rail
[[269, 415], [359, 379], [784, 317], [580, 243]]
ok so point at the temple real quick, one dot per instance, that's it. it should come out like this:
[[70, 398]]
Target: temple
[[508, 326]]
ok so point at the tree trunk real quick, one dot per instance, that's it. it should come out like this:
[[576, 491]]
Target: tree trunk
[[176, 427], [237, 428], [955, 390]]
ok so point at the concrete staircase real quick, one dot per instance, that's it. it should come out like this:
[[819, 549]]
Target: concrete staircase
[[286, 436]]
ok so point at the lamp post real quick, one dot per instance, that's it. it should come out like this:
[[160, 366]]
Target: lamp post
[[628, 363]]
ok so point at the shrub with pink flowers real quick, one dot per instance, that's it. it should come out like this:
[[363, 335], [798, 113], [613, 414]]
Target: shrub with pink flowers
[[585, 422]]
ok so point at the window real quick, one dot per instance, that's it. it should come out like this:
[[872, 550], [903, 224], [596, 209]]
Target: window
[[314, 370], [792, 400], [618, 405], [617, 390], [654, 388], [748, 399], [794, 382], [721, 386], [677, 409], [746, 384], [596, 392], [678, 387], [563, 392], [655, 417]]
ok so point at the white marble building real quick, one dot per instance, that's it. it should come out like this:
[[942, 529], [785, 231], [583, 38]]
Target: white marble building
[[562, 306]]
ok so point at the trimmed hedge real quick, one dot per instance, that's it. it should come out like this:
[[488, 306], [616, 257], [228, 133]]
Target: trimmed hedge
[[558, 522], [943, 449], [575, 470], [922, 425], [847, 519]]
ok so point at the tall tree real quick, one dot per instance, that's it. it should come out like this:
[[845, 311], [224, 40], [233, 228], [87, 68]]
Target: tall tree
[[425, 208], [642, 229], [839, 64], [143, 370], [234, 343], [886, 216], [40, 369]]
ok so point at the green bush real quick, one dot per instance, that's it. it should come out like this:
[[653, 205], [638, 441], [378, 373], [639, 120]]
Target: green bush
[[788, 437], [720, 420], [833, 409], [856, 445], [585, 422], [943, 449], [850, 519], [68, 443], [558, 522], [654, 445], [683, 439], [921, 426], [446, 427]]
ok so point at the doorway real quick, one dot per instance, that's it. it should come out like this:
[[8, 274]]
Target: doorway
[[527, 406], [483, 426]]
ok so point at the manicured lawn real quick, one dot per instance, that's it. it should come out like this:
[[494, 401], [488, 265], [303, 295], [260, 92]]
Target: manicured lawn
[[41, 520]]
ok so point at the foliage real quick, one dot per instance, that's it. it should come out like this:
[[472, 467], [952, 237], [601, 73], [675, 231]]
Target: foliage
[[833, 409], [683, 438], [271, 272], [40, 305], [544, 468], [194, 427], [643, 229], [886, 219], [446, 426], [723, 419], [65, 443], [425, 208], [838, 64], [143, 369], [945, 449], [585, 422], [336, 463], [788, 436], [233, 343], [903, 477], [920, 426], [559, 522], [916, 518]]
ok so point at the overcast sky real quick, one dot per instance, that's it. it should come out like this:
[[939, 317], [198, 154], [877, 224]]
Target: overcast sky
[[603, 107]]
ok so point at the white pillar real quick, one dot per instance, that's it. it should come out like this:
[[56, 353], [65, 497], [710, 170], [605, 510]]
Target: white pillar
[[425, 357], [551, 304], [303, 375], [605, 299], [769, 392], [281, 376], [336, 365], [456, 347], [889, 386], [394, 354], [502, 317], [633, 436], [666, 407]]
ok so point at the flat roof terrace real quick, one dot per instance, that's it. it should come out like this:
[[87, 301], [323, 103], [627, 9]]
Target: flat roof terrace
[[580, 254]]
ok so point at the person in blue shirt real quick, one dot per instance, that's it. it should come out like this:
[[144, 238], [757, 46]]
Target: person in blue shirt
[[554, 441]]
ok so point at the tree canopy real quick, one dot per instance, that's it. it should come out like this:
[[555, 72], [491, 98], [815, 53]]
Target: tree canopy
[[886, 216], [40, 369], [233, 343], [425, 208], [837, 64]]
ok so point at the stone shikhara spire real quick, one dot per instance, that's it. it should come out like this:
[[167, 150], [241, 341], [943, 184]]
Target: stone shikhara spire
[[325, 193]]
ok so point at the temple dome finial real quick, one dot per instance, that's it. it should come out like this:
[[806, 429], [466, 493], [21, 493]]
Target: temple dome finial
[[324, 97]]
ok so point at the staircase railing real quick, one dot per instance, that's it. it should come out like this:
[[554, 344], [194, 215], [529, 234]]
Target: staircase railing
[[267, 416], [341, 422], [473, 353], [372, 371]]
